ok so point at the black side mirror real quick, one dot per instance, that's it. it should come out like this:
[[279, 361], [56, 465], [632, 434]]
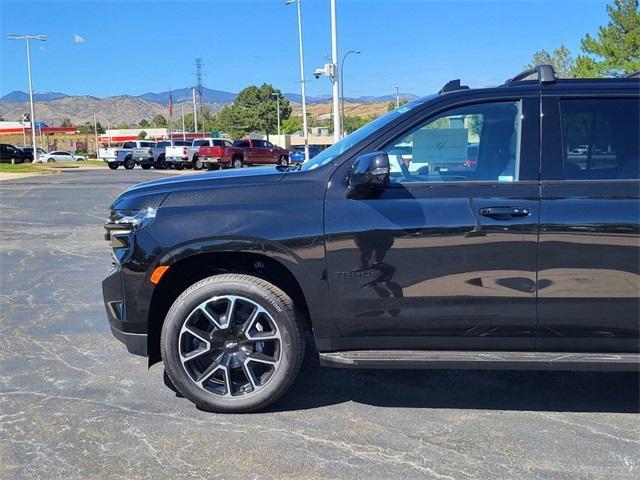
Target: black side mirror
[[369, 171]]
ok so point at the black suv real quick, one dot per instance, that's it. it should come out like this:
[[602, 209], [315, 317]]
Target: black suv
[[11, 154], [475, 228]]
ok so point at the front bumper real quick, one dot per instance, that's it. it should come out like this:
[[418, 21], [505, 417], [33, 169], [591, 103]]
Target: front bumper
[[132, 334]]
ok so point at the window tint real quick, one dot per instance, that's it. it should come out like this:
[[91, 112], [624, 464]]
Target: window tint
[[601, 139], [257, 143], [129, 145], [200, 143], [267, 144], [227, 143], [472, 143], [241, 143]]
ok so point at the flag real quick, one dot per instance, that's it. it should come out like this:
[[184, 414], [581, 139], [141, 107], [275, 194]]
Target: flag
[[170, 105]]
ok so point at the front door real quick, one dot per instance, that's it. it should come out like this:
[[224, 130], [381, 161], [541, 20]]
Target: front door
[[445, 256], [589, 280]]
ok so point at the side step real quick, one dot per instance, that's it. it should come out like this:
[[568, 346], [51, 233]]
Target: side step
[[437, 359]]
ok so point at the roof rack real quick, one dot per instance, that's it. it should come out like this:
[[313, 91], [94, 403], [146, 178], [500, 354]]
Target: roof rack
[[542, 73], [633, 74], [452, 86]]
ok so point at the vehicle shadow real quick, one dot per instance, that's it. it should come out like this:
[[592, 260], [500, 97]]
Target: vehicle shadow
[[318, 386]]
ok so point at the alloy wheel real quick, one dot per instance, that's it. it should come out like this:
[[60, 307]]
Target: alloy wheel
[[230, 346]]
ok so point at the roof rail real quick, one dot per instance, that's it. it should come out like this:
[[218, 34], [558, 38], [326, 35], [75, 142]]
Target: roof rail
[[633, 74], [542, 73], [452, 86]]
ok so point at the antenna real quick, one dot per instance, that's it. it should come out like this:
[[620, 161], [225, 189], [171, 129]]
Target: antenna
[[197, 62]]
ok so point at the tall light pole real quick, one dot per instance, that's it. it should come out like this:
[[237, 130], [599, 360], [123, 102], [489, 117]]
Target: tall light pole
[[337, 123], [26, 38], [95, 131], [277, 97], [397, 96], [342, 87], [302, 86], [195, 114]]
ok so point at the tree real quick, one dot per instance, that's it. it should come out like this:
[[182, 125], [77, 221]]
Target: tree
[[66, 122], [159, 120], [616, 50], [253, 110], [122, 126], [291, 125], [351, 124], [561, 60], [392, 104], [143, 123], [142, 135]]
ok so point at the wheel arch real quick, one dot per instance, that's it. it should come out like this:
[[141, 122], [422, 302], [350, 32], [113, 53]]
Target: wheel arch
[[187, 268]]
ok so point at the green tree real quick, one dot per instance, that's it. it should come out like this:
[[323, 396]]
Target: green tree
[[122, 126], [291, 125], [392, 105], [352, 123], [561, 60], [253, 110], [159, 120], [616, 50], [142, 135], [66, 122], [143, 123]]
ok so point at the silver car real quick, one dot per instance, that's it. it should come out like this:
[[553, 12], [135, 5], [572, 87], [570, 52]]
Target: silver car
[[60, 157]]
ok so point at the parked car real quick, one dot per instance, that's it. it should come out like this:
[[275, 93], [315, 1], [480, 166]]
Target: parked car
[[124, 154], [160, 162], [179, 157], [60, 156], [222, 154], [11, 154], [514, 263], [29, 151], [261, 152], [296, 153]]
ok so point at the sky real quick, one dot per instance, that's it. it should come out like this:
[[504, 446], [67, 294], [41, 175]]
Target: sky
[[103, 48]]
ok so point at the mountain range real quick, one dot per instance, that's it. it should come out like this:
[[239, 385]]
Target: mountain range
[[53, 107]]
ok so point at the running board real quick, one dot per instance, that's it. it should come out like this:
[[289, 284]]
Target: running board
[[437, 359]]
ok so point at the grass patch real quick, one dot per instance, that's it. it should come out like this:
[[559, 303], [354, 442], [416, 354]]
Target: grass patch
[[97, 163], [20, 168]]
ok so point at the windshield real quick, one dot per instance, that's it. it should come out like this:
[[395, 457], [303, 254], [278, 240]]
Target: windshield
[[350, 140]]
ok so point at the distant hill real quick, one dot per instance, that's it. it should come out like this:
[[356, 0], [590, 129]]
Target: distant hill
[[53, 107]]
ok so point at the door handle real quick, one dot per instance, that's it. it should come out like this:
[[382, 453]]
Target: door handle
[[505, 213]]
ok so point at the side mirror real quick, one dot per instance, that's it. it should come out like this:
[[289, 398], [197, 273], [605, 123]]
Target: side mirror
[[369, 171]]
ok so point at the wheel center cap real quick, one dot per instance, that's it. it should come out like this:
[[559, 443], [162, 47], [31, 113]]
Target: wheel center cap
[[231, 345]]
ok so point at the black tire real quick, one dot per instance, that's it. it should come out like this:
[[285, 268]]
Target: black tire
[[113, 166], [283, 161], [51, 160], [160, 164], [237, 162], [129, 164], [277, 312], [146, 166], [196, 163]]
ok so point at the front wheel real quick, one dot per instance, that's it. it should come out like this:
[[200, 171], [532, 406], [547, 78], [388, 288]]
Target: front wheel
[[129, 163], [284, 161], [51, 160], [112, 166], [161, 163], [197, 163], [237, 163], [232, 343]]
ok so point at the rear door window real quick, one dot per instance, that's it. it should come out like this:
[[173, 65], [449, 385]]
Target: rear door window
[[600, 138]]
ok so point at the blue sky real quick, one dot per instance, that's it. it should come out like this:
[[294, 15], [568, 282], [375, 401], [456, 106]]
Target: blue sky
[[134, 47]]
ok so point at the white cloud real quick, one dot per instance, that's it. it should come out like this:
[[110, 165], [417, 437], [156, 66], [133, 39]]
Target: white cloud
[[78, 39]]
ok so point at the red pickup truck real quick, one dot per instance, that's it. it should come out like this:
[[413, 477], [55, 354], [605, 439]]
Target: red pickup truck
[[224, 154]]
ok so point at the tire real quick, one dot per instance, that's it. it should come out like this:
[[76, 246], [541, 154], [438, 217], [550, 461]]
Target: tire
[[283, 161], [112, 166], [196, 163], [146, 166], [237, 162], [51, 160], [261, 370], [160, 164], [179, 166], [129, 164]]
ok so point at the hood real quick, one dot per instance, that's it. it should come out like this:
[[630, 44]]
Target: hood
[[151, 194]]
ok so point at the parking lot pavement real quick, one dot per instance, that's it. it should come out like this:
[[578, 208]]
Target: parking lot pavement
[[75, 404]]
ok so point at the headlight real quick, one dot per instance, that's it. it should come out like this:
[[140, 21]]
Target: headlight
[[124, 222]]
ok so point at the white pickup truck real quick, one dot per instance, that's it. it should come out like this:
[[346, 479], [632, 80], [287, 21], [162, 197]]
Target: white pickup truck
[[123, 155], [180, 157]]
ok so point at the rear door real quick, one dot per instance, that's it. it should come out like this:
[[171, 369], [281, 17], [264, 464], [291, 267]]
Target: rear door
[[589, 278], [445, 256]]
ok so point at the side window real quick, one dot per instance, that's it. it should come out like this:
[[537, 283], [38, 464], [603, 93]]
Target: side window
[[267, 144], [600, 139], [478, 142]]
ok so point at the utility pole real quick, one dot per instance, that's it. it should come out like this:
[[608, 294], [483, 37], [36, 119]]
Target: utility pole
[[199, 84], [397, 96], [195, 112], [26, 38], [342, 88], [184, 133], [337, 124], [95, 131]]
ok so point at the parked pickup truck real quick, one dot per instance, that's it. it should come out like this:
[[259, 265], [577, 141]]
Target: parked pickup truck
[[221, 155], [124, 154], [147, 156], [180, 157], [261, 152]]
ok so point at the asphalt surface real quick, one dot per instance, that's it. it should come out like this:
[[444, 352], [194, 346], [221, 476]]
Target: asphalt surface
[[75, 404]]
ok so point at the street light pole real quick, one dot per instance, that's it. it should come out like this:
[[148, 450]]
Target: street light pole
[[302, 86], [41, 38], [397, 96], [337, 123], [195, 112], [342, 87], [95, 131]]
